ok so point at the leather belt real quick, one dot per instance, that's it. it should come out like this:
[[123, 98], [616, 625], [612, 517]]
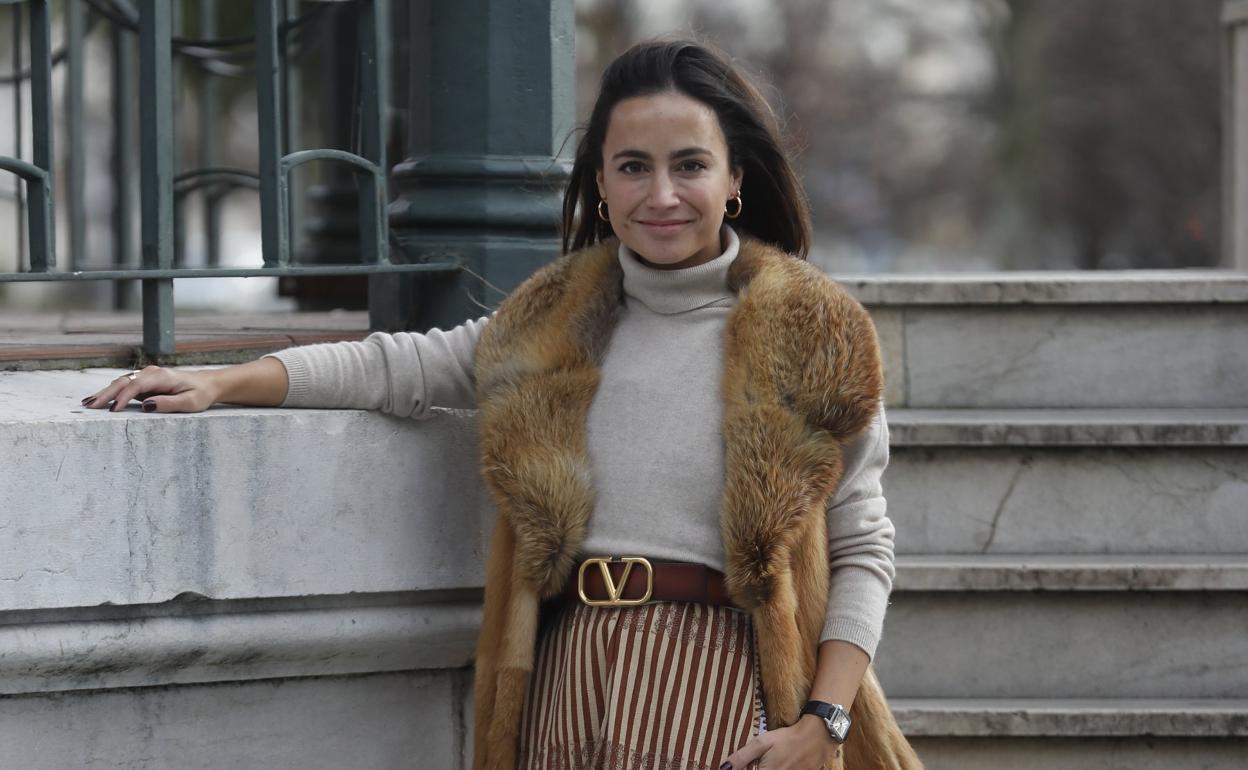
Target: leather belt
[[629, 581]]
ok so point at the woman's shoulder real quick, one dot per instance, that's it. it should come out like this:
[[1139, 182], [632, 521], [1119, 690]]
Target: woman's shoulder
[[793, 288], [813, 337]]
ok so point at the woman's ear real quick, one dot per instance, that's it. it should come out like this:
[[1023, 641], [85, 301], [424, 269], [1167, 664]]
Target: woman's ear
[[738, 174], [602, 189]]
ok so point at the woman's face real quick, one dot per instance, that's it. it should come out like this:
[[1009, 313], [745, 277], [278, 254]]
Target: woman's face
[[665, 178]]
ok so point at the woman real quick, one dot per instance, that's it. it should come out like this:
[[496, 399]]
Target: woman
[[687, 395]]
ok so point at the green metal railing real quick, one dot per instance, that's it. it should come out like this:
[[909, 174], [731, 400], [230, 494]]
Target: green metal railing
[[160, 186]]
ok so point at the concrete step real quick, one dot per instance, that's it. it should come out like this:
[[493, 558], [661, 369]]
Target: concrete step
[[1083, 734], [1070, 427], [1072, 717], [1069, 480], [1084, 572], [1118, 338], [1057, 627]]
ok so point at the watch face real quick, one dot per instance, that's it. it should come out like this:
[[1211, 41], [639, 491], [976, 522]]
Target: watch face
[[838, 723]]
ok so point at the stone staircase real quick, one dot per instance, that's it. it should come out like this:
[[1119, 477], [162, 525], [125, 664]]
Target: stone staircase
[[1069, 482]]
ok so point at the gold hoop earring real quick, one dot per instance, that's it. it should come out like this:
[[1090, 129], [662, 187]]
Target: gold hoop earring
[[730, 213], [602, 211]]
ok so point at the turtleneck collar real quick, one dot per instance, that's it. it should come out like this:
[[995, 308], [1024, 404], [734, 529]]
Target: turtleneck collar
[[679, 291]]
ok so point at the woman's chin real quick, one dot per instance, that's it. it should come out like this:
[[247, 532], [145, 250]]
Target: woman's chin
[[663, 253], [666, 260]]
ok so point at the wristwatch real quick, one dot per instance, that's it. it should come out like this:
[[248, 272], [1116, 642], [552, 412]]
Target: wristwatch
[[833, 716]]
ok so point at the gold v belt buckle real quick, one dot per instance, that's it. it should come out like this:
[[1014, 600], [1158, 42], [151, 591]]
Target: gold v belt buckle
[[614, 589]]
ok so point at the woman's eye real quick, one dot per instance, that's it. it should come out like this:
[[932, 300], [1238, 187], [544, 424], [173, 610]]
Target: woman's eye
[[692, 165], [631, 167]]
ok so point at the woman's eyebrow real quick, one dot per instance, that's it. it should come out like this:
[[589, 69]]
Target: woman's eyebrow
[[677, 155]]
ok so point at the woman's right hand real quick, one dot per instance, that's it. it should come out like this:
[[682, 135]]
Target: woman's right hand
[[160, 389]]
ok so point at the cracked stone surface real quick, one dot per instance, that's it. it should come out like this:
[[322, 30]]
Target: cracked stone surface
[[1069, 500], [1066, 356]]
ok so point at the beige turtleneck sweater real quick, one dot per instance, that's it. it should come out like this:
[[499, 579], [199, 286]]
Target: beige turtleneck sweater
[[653, 429]]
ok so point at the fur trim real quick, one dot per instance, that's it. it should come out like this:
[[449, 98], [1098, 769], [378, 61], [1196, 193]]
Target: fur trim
[[802, 377]]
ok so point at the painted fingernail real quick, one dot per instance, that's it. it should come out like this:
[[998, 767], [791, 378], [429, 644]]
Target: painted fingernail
[[149, 406], [88, 400], [726, 766]]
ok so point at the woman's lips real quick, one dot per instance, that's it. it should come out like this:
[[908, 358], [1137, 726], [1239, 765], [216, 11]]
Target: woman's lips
[[665, 226]]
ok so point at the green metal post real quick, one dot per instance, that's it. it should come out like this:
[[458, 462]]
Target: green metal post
[[292, 125], [123, 75], [75, 23], [177, 27], [492, 101], [273, 233], [374, 85], [385, 303], [156, 153], [208, 89], [41, 212]]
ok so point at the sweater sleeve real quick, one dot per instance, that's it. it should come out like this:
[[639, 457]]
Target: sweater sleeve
[[403, 373], [860, 543]]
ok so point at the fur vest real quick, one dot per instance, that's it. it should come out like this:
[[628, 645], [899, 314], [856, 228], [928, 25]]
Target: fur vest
[[802, 376]]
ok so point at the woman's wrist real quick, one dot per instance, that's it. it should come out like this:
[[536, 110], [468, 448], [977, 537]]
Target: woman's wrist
[[210, 383], [262, 382], [813, 731]]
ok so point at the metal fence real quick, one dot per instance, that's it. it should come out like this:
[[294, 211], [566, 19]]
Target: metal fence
[[160, 188]]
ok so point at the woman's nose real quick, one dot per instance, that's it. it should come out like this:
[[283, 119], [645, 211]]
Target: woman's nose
[[662, 191]]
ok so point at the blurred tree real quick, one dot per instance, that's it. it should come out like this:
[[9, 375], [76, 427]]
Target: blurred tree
[[977, 133], [1110, 130]]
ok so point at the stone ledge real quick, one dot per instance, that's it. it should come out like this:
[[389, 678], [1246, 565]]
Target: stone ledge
[[235, 503], [1180, 426], [991, 718], [242, 643], [1093, 572], [1198, 286]]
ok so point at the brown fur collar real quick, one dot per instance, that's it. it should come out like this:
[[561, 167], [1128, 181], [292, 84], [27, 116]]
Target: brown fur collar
[[802, 376]]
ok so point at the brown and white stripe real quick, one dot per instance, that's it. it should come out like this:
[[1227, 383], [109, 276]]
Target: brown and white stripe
[[662, 686]]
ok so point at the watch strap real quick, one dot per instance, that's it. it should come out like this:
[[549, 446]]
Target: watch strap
[[821, 709], [834, 717]]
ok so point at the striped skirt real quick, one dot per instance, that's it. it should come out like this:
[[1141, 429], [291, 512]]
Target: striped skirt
[[662, 686]]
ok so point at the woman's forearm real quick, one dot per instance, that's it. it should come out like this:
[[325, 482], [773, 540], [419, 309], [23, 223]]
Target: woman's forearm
[[838, 675], [839, 672], [262, 382]]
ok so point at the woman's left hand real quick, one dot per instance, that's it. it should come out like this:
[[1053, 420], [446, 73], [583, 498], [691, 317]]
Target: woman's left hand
[[803, 746]]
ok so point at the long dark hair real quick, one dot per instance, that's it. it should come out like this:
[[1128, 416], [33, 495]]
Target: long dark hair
[[774, 206]]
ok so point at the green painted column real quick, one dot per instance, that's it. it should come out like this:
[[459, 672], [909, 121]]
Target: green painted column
[[490, 103]]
